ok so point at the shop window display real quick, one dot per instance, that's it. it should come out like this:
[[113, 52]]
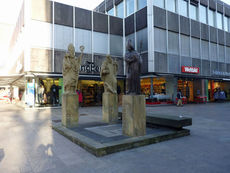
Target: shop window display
[[186, 88], [158, 93], [48, 92]]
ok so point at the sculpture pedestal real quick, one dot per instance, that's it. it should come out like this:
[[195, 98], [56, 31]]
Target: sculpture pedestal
[[110, 108], [133, 115], [70, 110]]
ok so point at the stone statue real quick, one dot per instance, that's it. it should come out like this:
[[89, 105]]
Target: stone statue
[[133, 70], [71, 68], [108, 75]]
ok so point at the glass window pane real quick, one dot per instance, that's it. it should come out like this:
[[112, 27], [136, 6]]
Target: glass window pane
[[111, 12], [195, 48], [173, 44], [203, 14], [211, 17], [221, 53], [132, 38], [116, 45], [219, 21], [160, 40], [225, 23], [171, 5], [193, 12], [141, 4], [100, 42], [204, 48], [159, 3], [228, 54], [185, 46], [120, 10], [142, 40], [213, 52], [129, 7], [183, 8]]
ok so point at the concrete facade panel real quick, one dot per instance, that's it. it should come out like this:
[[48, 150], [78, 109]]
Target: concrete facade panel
[[116, 26], [204, 32], [212, 4], [221, 39], [227, 37], [43, 63], [141, 19], [159, 17], [41, 34], [42, 10], [129, 25], [184, 25], [100, 22], [195, 29], [63, 14], [213, 34], [83, 19], [173, 22]]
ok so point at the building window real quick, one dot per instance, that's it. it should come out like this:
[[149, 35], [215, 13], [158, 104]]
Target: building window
[[195, 48], [159, 3], [185, 45], [219, 21], [160, 40], [141, 4], [171, 5], [211, 17], [183, 8], [173, 43], [226, 23], [129, 7], [132, 38], [193, 12], [203, 14], [120, 10], [213, 52], [111, 12], [142, 40], [204, 48]]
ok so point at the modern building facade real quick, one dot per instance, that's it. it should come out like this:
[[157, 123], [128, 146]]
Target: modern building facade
[[184, 44]]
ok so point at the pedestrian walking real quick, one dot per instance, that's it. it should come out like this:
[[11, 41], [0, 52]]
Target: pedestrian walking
[[179, 98]]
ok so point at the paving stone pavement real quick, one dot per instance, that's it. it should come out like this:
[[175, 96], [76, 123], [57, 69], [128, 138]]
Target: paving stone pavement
[[29, 145]]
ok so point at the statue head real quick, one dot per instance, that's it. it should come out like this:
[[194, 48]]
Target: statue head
[[129, 46], [71, 50], [108, 59]]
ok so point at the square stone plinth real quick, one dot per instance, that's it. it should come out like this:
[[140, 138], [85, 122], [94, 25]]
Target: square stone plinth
[[70, 110], [110, 108], [133, 115]]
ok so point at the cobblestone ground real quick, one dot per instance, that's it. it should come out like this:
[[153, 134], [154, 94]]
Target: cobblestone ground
[[29, 145]]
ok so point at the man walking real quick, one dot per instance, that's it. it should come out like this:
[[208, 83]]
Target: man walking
[[179, 98]]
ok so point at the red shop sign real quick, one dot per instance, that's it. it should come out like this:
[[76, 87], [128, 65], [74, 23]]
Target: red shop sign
[[186, 69]]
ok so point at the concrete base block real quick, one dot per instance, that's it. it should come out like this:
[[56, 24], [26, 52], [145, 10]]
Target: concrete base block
[[133, 115], [110, 108], [70, 110]]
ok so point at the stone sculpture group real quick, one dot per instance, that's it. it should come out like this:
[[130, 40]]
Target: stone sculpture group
[[133, 104]]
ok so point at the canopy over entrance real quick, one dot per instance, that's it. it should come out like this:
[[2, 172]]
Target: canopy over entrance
[[15, 80]]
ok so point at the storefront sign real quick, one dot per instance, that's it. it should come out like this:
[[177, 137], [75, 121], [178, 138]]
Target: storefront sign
[[90, 67], [220, 73], [186, 69]]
